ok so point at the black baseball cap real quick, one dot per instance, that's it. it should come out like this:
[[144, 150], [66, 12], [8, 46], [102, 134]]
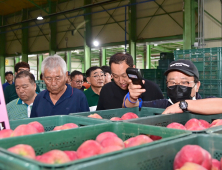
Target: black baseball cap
[[8, 72], [184, 66]]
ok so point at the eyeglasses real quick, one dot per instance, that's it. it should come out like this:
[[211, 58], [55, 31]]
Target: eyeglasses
[[98, 76], [23, 70], [78, 82], [183, 83], [123, 76], [50, 79]]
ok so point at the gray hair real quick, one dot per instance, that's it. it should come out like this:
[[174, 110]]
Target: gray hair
[[52, 62]]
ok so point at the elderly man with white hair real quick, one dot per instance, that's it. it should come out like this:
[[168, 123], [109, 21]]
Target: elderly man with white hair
[[59, 98]]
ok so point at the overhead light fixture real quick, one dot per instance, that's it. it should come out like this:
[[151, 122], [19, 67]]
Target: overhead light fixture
[[96, 43], [155, 44], [178, 49], [40, 17]]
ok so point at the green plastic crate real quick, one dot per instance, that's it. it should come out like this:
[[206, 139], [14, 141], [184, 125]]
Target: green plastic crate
[[164, 120], [49, 122], [108, 114], [157, 157], [72, 139]]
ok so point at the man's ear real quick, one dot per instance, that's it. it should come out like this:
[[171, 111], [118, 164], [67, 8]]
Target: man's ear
[[197, 86], [88, 80], [134, 66]]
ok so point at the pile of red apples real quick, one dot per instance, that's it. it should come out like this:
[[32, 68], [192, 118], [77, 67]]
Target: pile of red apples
[[194, 157], [195, 124], [105, 142], [126, 116], [32, 128]]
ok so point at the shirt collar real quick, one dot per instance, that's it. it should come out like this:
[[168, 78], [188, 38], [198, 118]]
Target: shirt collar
[[92, 93]]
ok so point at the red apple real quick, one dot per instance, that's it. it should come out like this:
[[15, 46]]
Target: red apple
[[38, 126], [191, 166], [111, 149], [104, 135], [216, 122], [139, 140], [5, 133], [57, 128], [69, 126], [154, 137], [215, 165], [195, 154], [175, 125], [204, 123], [54, 157], [89, 148], [112, 141], [23, 150], [72, 155], [38, 157], [116, 119], [95, 115], [194, 124], [129, 115], [24, 130], [126, 142]]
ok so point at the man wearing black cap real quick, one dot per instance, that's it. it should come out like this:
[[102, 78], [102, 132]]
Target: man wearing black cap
[[9, 79], [182, 84]]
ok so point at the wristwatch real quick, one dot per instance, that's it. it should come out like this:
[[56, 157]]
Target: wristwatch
[[183, 105]]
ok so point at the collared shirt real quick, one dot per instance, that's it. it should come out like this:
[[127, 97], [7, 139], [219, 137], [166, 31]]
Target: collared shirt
[[17, 109], [92, 98], [10, 93], [72, 101], [5, 85]]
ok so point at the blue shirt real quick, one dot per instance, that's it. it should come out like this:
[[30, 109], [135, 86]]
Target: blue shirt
[[72, 101], [5, 85]]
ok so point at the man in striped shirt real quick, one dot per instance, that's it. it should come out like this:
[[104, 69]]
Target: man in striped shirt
[[25, 86]]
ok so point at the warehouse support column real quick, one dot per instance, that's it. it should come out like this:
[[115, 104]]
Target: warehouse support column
[[68, 60], [40, 59], [148, 56], [87, 36], [132, 29], [2, 50], [25, 38], [53, 28], [83, 67], [189, 24], [143, 61], [103, 56]]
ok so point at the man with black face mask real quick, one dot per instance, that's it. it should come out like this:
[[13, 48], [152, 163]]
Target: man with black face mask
[[182, 84]]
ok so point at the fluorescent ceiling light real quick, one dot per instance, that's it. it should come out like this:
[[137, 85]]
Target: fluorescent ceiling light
[[39, 18], [96, 43]]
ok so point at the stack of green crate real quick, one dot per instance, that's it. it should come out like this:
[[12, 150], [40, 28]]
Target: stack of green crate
[[209, 64]]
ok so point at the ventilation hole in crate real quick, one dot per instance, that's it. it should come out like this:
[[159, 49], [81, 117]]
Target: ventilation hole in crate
[[39, 151], [155, 163], [217, 155], [62, 144], [49, 128]]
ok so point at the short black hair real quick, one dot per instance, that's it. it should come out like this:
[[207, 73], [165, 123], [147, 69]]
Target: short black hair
[[41, 76], [25, 73], [196, 79], [106, 69], [21, 64], [120, 57], [88, 72], [8, 72], [74, 73]]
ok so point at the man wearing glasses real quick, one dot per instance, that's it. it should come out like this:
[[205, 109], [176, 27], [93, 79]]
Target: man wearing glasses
[[10, 92], [96, 78], [182, 84], [112, 93], [77, 80]]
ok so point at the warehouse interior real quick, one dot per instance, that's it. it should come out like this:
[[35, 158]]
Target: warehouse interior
[[86, 33]]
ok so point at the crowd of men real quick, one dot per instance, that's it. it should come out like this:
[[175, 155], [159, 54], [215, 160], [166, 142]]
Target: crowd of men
[[106, 87]]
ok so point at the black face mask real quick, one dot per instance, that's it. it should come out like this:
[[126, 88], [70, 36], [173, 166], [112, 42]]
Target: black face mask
[[178, 93]]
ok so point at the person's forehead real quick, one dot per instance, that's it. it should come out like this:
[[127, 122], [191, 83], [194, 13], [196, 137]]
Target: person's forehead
[[23, 68], [53, 71], [178, 75], [119, 68], [96, 71], [22, 80], [79, 76]]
